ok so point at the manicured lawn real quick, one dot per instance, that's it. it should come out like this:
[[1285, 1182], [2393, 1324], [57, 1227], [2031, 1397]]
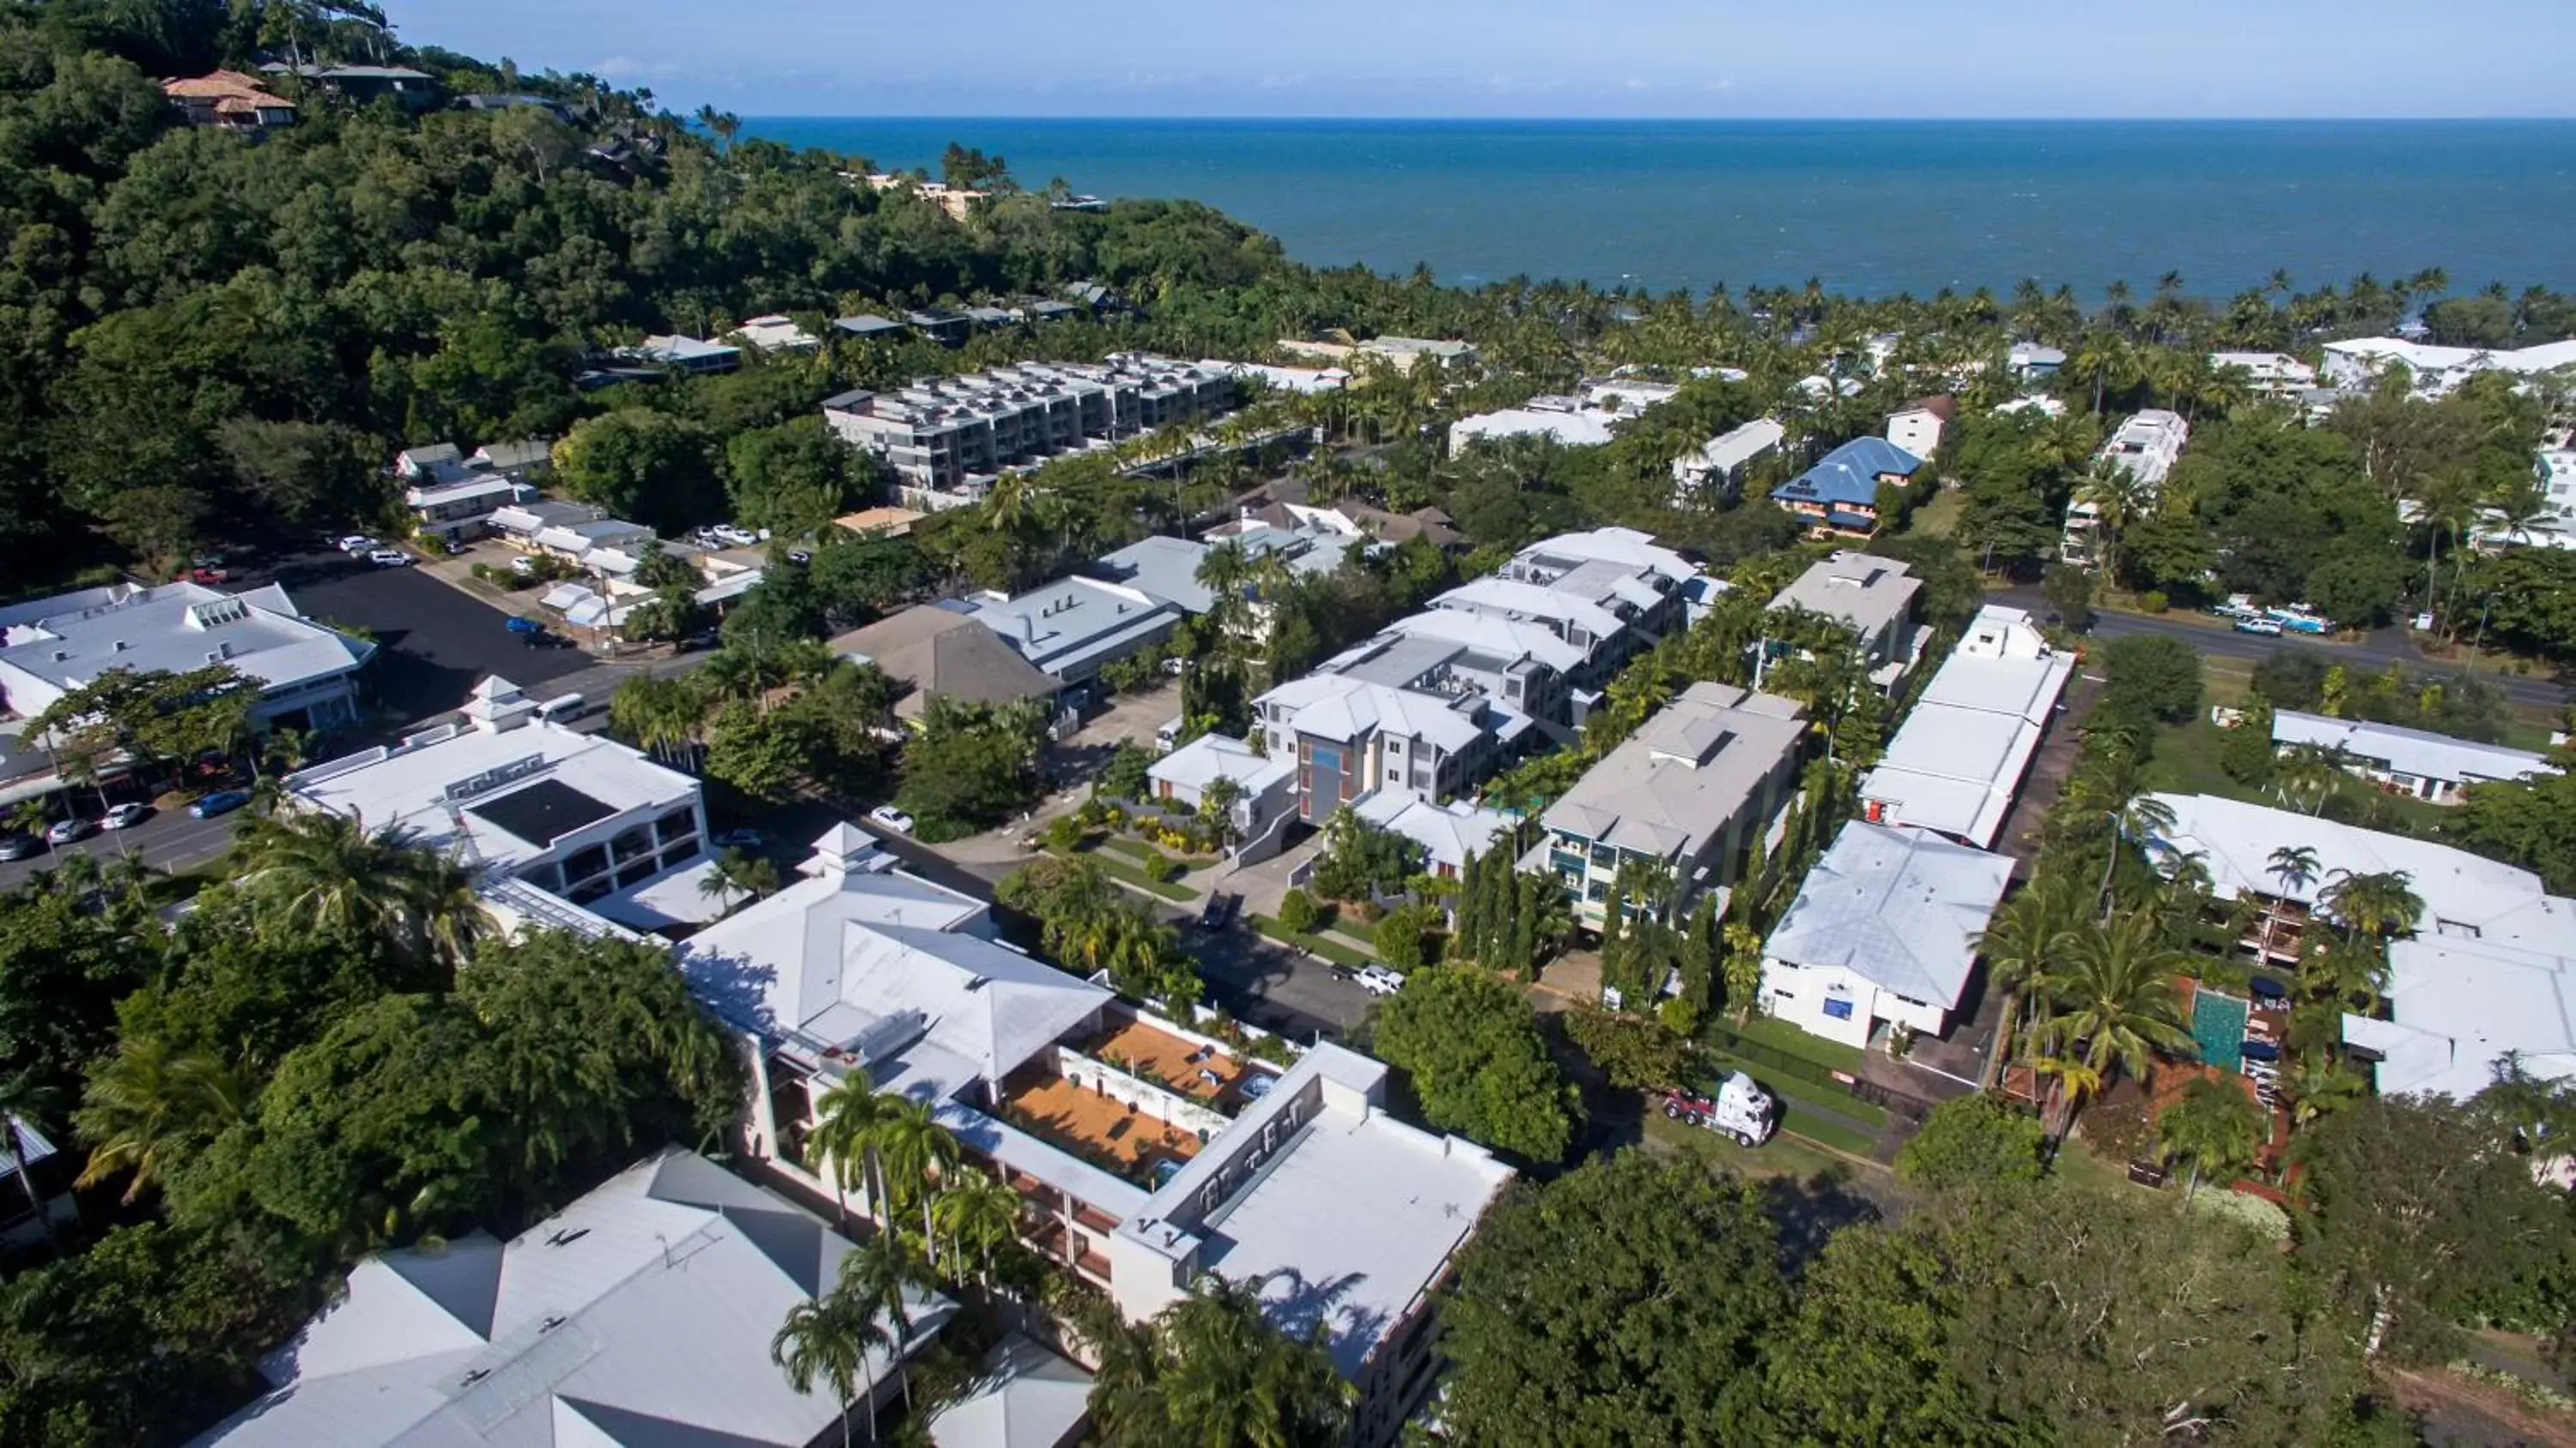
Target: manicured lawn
[[1790, 1088], [1801, 1121], [1322, 945], [1781, 1036], [2185, 761], [1783, 1155], [1119, 870]]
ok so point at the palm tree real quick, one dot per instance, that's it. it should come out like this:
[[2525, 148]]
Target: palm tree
[[2137, 819], [2320, 1084], [2116, 996], [827, 1339], [149, 1105], [313, 872], [980, 1214], [2018, 944], [661, 716], [877, 1273], [2118, 497], [1216, 806], [2295, 866], [737, 873], [846, 1121], [2373, 904], [2215, 1124], [916, 1150]]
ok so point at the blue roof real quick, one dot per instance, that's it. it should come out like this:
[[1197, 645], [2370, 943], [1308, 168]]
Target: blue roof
[[1849, 474]]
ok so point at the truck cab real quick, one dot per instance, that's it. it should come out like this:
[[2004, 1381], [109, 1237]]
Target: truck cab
[[1739, 1108]]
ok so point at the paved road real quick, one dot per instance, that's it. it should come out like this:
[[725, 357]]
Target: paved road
[[2376, 650], [169, 840]]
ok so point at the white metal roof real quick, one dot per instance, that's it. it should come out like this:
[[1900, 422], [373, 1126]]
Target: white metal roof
[[860, 956], [2419, 752], [1898, 907], [1448, 834], [2456, 1005], [1022, 1397], [640, 1314], [1862, 589], [1338, 707], [1958, 760], [1211, 757], [68, 641]]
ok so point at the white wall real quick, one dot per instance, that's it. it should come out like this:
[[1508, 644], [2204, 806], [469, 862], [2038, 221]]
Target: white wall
[[1797, 994]]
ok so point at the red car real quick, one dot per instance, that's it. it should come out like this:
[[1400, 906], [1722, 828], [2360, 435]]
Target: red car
[[207, 576]]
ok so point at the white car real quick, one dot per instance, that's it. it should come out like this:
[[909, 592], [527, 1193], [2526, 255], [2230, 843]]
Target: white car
[[1378, 980], [63, 832], [389, 558], [357, 543], [127, 815], [733, 537], [892, 818]]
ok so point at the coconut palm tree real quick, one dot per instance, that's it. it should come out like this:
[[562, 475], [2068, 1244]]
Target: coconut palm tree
[[827, 1339], [2116, 995], [150, 1104], [313, 871], [738, 873], [2019, 943], [2319, 1084], [2373, 904], [877, 1273], [980, 1214], [661, 716], [2308, 773], [2215, 1124], [846, 1119], [2118, 498], [917, 1151]]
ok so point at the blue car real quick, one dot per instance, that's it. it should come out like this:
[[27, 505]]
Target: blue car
[[518, 625], [222, 801]]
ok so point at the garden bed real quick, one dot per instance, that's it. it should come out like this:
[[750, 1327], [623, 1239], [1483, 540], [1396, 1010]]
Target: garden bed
[[1346, 956]]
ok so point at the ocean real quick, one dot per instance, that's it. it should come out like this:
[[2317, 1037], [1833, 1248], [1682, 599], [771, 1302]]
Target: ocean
[[1865, 207]]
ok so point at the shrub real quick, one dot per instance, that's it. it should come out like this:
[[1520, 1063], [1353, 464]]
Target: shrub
[[1064, 832], [1297, 912], [1972, 1139], [2154, 600]]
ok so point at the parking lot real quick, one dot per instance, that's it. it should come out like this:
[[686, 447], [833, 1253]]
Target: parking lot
[[436, 640], [168, 840]]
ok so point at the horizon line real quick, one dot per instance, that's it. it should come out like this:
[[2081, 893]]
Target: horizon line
[[1689, 120]]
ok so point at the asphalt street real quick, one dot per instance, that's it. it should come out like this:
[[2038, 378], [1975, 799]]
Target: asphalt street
[[2376, 650], [169, 840]]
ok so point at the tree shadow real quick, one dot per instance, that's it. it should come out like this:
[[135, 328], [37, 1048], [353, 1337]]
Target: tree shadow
[[1808, 1213]]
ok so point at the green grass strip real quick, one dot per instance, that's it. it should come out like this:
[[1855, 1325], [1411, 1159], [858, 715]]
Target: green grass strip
[[1337, 953], [1790, 1088]]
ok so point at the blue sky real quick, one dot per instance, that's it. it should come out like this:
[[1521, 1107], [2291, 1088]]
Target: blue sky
[[1543, 57]]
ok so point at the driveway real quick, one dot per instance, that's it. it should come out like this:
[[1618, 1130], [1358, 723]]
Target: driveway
[[435, 640]]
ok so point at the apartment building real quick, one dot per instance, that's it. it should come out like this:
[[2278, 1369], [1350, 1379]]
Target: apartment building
[[1957, 762], [2417, 763], [1690, 791], [1874, 597], [2432, 371], [947, 440], [2269, 374], [1072, 627], [1611, 593], [1416, 715], [1582, 419], [1146, 1153], [2145, 447]]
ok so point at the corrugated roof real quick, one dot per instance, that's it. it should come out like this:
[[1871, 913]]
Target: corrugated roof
[[1900, 908], [1849, 474]]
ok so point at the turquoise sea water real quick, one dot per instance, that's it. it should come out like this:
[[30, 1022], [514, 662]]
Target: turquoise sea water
[[1865, 206]]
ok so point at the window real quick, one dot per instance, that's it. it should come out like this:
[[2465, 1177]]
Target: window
[[1605, 857], [1597, 891]]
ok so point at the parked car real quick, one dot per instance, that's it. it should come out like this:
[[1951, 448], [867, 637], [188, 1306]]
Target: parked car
[[1378, 980], [523, 564], [389, 558], [221, 802], [2257, 625], [20, 847], [732, 537], [518, 625], [740, 840], [126, 816], [1218, 913], [892, 818], [63, 832], [357, 543], [209, 576]]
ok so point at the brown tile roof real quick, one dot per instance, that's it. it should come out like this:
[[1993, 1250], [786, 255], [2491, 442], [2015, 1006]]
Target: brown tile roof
[[939, 652], [225, 86]]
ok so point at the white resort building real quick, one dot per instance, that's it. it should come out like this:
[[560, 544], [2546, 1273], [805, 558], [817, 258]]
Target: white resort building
[[1956, 764]]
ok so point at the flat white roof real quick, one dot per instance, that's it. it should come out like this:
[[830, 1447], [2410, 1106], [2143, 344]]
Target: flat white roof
[[640, 1313], [2457, 1005], [471, 790], [1585, 428], [1862, 589]]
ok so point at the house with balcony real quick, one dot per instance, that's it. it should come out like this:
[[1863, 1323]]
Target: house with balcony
[[515, 797], [1956, 764], [1839, 495], [1692, 791], [306, 672], [1873, 597], [691, 355], [1146, 1153], [229, 100], [1266, 788], [1882, 934], [2145, 448]]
